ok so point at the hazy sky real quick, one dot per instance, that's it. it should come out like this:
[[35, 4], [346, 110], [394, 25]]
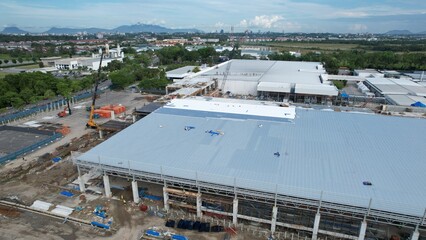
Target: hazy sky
[[342, 16]]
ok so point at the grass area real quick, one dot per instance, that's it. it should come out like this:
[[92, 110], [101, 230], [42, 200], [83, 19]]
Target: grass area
[[339, 84], [21, 65], [308, 46], [5, 56], [29, 66]]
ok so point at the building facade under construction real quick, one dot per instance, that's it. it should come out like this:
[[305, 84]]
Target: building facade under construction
[[325, 173]]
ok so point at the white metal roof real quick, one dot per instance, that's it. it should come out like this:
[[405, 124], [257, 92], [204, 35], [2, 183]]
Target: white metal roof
[[323, 89], [404, 100], [394, 86], [180, 72], [320, 153], [274, 87]]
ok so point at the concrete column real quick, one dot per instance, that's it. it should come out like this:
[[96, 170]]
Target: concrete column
[[274, 219], [134, 118], [235, 212], [362, 230], [107, 186], [316, 226], [415, 235], [135, 192], [112, 115], [81, 184], [101, 134], [199, 203], [166, 199]]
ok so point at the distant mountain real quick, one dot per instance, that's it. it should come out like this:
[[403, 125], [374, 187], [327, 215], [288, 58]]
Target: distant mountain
[[71, 31], [422, 33], [399, 32], [136, 28], [13, 30]]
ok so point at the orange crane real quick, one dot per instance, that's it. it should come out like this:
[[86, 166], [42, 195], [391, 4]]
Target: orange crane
[[91, 123]]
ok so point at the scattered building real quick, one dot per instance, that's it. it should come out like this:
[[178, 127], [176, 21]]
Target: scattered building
[[180, 73], [91, 63], [365, 73]]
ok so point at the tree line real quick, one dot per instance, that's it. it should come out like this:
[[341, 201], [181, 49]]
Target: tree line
[[17, 90], [360, 59]]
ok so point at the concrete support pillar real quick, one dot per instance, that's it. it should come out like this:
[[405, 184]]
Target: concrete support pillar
[[101, 134], [135, 191], [199, 203], [81, 184], [166, 199], [134, 118], [415, 235], [235, 212], [316, 226], [107, 186], [362, 230], [112, 115], [274, 219]]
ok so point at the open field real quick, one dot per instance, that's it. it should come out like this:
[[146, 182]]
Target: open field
[[31, 66], [4, 56]]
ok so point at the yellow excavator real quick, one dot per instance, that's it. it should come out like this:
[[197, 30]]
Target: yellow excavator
[[91, 123]]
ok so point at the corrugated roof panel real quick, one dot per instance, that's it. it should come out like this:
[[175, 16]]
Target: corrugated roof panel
[[319, 151]]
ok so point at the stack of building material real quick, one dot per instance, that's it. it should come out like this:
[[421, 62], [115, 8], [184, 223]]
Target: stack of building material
[[62, 210], [116, 108], [64, 130], [40, 205], [103, 113]]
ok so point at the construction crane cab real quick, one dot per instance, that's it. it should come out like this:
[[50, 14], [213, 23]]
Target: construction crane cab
[[91, 123]]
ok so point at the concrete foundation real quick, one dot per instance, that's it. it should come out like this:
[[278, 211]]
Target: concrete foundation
[[362, 230], [107, 186], [316, 226], [135, 191], [274, 219]]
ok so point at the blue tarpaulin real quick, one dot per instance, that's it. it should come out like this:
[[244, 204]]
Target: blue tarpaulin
[[179, 237], [101, 225], [344, 95], [152, 233], [418, 104], [67, 194]]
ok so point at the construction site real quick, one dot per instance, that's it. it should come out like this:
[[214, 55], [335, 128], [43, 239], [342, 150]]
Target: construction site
[[225, 154]]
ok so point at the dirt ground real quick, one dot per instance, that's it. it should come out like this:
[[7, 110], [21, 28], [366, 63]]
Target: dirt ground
[[35, 177]]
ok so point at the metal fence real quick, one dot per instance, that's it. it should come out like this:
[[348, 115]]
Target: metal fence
[[44, 107], [24, 150]]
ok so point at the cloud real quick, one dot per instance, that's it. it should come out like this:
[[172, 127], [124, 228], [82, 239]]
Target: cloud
[[263, 21], [272, 22], [358, 28]]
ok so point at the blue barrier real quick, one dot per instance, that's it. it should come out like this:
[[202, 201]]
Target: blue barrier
[[36, 109], [24, 150]]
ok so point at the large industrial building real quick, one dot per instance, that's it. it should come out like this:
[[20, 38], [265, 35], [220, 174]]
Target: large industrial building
[[275, 80], [341, 174]]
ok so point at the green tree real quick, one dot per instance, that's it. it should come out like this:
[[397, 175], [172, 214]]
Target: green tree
[[49, 94], [20, 60], [1, 62], [6, 61], [196, 69], [26, 94], [121, 78], [14, 61]]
